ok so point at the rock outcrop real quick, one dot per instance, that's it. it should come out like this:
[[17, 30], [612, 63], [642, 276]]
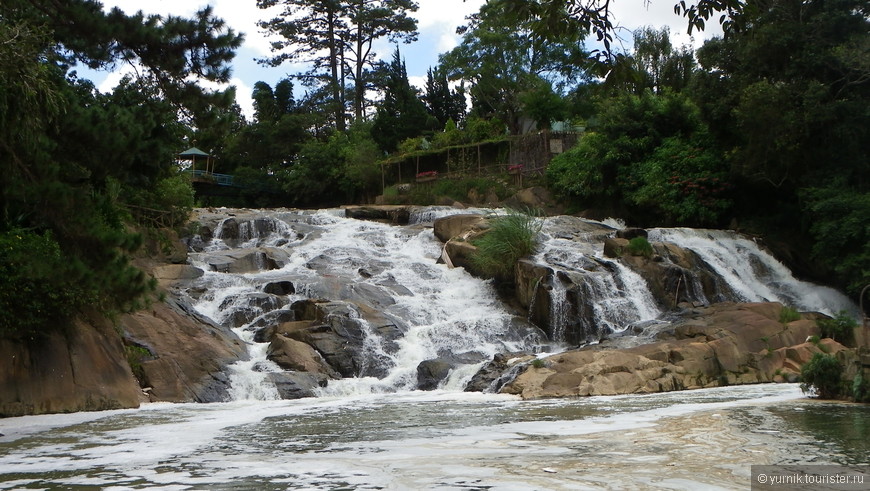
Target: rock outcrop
[[81, 369], [723, 344], [186, 354]]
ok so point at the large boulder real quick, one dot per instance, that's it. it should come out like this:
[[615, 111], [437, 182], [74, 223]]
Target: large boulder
[[291, 354], [247, 260], [724, 344], [446, 228], [189, 353], [430, 373], [82, 369], [397, 214], [296, 385], [495, 373], [338, 331]]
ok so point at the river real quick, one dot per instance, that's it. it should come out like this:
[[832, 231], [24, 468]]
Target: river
[[375, 431], [437, 440]]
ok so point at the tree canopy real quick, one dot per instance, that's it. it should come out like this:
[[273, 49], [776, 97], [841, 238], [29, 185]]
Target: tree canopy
[[74, 160]]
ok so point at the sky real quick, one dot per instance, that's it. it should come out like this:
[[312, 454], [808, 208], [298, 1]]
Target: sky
[[437, 22]]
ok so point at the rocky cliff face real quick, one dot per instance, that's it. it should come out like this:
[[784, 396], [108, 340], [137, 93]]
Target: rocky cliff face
[[177, 355], [82, 369], [724, 344], [183, 357]]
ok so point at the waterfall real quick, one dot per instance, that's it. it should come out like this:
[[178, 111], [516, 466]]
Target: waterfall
[[591, 296], [390, 315], [752, 273], [385, 274], [429, 214]]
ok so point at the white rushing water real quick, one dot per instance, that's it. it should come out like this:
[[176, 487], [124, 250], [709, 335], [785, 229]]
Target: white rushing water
[[393, 269], [446, 314], [753, 273], [617, 296], [420, 440]]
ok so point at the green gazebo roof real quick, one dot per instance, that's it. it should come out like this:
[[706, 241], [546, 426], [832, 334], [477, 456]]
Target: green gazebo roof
[[193, 152]]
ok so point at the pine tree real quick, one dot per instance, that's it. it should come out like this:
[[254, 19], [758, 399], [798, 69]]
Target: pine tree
[[401, 114]]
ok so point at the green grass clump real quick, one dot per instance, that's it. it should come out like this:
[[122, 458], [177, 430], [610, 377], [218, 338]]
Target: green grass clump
[[510, 238], [640, 246], [788, 314]]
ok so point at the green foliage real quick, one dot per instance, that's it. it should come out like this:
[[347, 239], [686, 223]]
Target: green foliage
[[860, 388], [481, 129], [839, 218], [841, 328], [72, 158], [444, 104], [136, 355], [459, 190], [449, 137], [401, 115], [538, 363], [580, 172], [681, 182], [788, 314], [640, 246], [337, 39], [822, 373], [35, 298], [510, 238], [501, 61], [651, 153]]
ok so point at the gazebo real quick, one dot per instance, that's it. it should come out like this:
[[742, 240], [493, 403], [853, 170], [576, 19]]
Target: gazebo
[[193, 154]]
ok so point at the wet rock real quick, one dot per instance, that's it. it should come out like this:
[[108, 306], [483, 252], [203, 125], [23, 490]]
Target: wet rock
[[291, 354], [631, 233], [431, 372], [247, 260], [280, 288], [272, 319], [446, 228], [723, 344], [339, 333], [245, 308], [397, 214], [460, 252], [485, 380], [172, 273], [615, 247], [297, 385], [190, 352], [82, 369]]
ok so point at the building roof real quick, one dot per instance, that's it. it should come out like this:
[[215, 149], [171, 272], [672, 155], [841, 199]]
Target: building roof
[[193, 152]]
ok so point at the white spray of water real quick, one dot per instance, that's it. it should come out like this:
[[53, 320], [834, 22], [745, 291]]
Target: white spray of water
[[752, 273]]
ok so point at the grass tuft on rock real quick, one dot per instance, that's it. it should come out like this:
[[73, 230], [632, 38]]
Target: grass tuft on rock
[[510, 238]]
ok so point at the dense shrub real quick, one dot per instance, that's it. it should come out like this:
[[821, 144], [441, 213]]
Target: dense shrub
[[823, 374], [840, 328], [35, 297]]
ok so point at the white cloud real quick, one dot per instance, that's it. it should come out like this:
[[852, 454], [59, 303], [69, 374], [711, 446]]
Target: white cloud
[[243, 96], [449, 13], [417, 81]]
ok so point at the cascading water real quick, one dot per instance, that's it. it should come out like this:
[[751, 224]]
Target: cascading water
[[440, 313], [608, 296], [752, 273], [404, 314]]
